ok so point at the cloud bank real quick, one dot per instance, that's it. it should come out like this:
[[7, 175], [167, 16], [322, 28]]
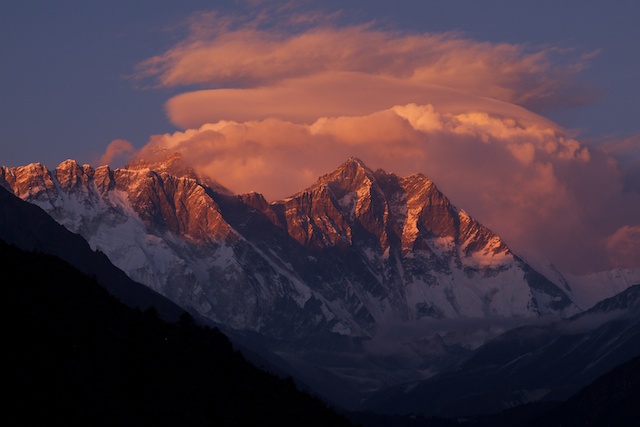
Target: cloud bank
[[278, 103], [303, 67], [531, 184]]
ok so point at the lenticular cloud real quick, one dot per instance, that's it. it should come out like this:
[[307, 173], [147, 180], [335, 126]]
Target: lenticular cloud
[[282, 59]]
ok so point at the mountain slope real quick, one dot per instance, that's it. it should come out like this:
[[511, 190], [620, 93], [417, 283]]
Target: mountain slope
[[362, 280], [73, 352], [30, 228], [611, 400], [550, 362]]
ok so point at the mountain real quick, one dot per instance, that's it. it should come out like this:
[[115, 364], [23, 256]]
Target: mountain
[[30, 228], [361, 281], [611, 400], [531, 363], [588, 290], [73, 352]]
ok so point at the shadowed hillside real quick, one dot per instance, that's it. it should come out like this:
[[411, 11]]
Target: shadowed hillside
[[73, 353]]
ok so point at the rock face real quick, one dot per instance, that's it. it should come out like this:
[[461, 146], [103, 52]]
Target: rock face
[[362, 262]]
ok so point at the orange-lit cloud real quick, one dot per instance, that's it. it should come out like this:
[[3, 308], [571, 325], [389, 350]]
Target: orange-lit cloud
[[282, 101], [331, 94], [229, 55], [522, 177], [624, 246], [118, 150]]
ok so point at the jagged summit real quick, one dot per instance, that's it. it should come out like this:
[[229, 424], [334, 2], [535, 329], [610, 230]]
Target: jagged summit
[[173, 163], [355, 175], [354, 164], [349, 176], [355, 254]]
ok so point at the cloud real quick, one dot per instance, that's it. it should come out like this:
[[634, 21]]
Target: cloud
[[275, 100], [626, 152], [428, 334], [331, 94], [118, 150], [624, 246], [237, 59], [518, 174]]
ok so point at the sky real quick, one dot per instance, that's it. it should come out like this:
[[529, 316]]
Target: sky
[[523, 113]]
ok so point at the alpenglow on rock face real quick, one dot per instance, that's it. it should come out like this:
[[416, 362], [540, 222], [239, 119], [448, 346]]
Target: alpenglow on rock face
[[356, 253]]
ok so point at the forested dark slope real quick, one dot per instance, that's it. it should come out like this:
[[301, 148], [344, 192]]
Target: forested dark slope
[[73, 353]]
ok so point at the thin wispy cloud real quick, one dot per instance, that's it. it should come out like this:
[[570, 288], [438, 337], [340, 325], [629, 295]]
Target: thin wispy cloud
[[118, 151]]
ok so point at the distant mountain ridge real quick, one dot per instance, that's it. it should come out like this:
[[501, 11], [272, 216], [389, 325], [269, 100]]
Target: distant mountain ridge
[[527, 364], [356, 254]]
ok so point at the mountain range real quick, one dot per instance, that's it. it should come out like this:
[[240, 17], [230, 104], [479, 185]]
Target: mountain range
[[527, 364], [363, 281]]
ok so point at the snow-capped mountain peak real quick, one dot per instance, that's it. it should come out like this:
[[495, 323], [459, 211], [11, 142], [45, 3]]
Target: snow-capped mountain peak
[[353, 256]]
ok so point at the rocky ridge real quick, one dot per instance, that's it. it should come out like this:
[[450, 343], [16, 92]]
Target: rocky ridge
[[354, 256]]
